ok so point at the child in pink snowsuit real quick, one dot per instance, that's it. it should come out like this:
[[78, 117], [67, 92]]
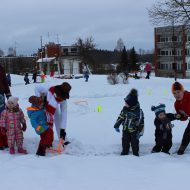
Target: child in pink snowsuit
[[12, 118]]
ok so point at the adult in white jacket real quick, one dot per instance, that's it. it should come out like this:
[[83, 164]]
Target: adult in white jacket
[[56, 105]]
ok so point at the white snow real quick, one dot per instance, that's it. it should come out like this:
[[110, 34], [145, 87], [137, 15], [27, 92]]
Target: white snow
[[92, 161]]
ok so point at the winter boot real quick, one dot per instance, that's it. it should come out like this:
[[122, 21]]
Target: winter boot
[[124, 153], [156, 149], [41, 150], [181, 150], [22, 151], [136, 154], [6, 146], [12, 150], [66, 143]]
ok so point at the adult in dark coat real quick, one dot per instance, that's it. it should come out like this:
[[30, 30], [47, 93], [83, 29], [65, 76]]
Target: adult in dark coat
[[34, 76], [9, 79], [4, 91], [4, 87]]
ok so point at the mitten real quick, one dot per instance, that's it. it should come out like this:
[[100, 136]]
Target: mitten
[[178, 116], [24, 127], [3, 130], [139, 135], [117, 130], [62, 134], [40, 129]]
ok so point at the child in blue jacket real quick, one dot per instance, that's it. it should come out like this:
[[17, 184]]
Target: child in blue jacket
[[37, 117]]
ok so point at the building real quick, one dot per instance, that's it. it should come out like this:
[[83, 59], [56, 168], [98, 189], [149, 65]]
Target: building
[[63, 59], [172, 51]]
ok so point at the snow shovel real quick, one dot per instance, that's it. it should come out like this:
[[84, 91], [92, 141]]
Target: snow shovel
[[59, 148]]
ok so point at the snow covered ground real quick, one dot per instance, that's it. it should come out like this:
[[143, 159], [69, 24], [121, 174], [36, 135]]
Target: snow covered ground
[[92, 160]]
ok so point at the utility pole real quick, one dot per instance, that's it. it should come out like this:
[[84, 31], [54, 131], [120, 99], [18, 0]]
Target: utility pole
[[41, 52], [57, 38], [41, 48]]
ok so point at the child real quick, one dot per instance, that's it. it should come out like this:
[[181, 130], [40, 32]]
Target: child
[[132, 119], [37, 117], [163, 131], [12, 118], [26, 79]]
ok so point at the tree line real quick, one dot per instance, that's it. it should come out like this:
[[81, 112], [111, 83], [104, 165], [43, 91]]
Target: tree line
[[106, 61]]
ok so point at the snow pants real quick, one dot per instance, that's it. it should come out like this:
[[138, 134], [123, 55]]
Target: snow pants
[[186, 136], [46, 138], [3, 140], [130, 139], [163, 141], [15, 135]]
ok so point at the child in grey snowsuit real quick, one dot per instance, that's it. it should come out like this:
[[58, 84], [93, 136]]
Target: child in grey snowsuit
[[132, 119]]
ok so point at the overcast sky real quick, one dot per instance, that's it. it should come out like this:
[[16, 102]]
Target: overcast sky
[[24, 21]]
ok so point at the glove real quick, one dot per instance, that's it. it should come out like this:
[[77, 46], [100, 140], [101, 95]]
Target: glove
[[40, 129], [117, 130], [62, 134], [178, 116], [139, 135], [3, 130], [24, 127]]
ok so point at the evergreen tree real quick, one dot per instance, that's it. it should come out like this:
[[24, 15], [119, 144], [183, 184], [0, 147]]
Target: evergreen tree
[[133, 57], [123, 66]]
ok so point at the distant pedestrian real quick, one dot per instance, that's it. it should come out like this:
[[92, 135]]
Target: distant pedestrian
[[52, 73], [43, 76], [86, 76], [148, 70], [9, 79], [26, 79], [34, 76]]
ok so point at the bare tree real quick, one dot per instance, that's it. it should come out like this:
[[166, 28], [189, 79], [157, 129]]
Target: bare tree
[[85, 46], [168, 11], [120, 45], [1, 53]]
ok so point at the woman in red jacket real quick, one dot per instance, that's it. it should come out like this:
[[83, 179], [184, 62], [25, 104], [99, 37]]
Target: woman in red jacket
[[182, 106]]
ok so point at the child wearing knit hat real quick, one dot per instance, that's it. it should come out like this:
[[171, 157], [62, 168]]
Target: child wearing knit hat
[[37, 117], [132, 119], [163, 131], [12, 119]]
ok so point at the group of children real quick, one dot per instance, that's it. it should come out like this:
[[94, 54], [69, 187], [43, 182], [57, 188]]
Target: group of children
[[132, 119], [41, 114]]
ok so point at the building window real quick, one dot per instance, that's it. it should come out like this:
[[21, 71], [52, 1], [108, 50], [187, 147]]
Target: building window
[[65, 50], [162, 52], [178, 66], [162, 66], [188, 67], [73, 49]]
